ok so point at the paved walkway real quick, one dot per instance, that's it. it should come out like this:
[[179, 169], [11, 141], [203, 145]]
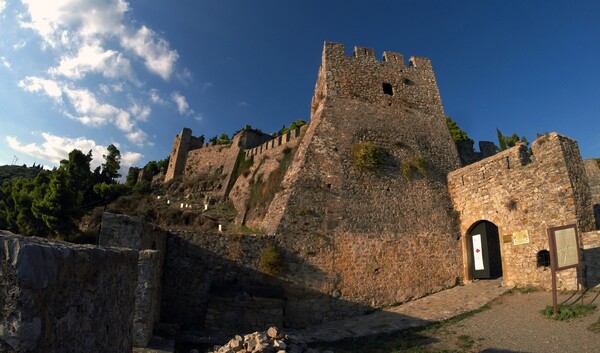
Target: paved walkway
[[436, 307]]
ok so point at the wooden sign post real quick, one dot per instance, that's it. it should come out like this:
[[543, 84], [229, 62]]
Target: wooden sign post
[[564, 254]]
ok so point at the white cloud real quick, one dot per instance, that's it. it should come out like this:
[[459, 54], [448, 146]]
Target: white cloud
[[185, 76], [182, 104], [242, 104], [155, 97], [91, 111], [56, 148], [155, 51], [89, 25], [36, 84], [206, 86], [137, 136], [93, 58], [2, 5], [5, 62], [140, 112], [61, 21], [20, 44], [129, 159]]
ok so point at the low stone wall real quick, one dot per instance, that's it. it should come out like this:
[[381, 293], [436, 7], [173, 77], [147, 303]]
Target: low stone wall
[[150, 241], [57, 297], [591, 258]]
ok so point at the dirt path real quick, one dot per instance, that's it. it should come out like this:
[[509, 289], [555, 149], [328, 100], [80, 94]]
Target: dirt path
[[514, 324]]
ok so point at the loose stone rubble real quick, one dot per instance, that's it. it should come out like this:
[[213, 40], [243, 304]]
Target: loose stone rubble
[[270, 341]]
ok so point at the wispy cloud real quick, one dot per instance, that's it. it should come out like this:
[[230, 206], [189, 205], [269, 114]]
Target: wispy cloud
[[153, 49], [206, 86], [55, 148], [37, 84], [5, 62], [181, 103], [99, 41], [155, 97], [92, 58], [242, 104]]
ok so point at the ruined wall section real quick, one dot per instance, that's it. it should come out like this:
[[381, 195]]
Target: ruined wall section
[[266, 159], [214, 166], [519, 192], [593, 176], [57, 297], [181, 146], [325, 195]]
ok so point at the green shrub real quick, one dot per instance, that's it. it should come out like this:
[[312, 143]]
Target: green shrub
[[567, 312], [271, 261], [415, 165], [367, 157]]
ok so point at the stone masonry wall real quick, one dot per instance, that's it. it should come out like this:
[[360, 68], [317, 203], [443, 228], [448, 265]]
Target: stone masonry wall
[[204, 272], [215, 163], [57, 297], [265, 161], [181, 146], [593, 176], [591, 258], [384, 214], [519, 192], [151, 242]]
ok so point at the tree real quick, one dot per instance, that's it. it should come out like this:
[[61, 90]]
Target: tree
[[456, 132], [59, 209], [223, 140], [132, 176], [110, 168], [296, 124], [597, 161], [509, 141]]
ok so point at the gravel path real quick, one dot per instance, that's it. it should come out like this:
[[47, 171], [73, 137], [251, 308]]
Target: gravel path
[[514, 324]]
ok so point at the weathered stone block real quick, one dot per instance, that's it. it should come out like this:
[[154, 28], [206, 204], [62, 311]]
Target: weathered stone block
[[60, 297]]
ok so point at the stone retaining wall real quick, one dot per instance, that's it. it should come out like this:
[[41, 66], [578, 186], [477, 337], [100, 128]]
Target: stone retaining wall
[[57, 297]]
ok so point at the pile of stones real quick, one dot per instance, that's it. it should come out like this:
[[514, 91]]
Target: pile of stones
[[271, 341]]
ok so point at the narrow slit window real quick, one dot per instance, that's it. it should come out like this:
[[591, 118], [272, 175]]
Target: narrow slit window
[[387, 89]]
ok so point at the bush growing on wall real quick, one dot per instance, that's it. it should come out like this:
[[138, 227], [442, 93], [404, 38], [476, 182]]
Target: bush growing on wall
[[270, 261], [366, 156], [415, 165]]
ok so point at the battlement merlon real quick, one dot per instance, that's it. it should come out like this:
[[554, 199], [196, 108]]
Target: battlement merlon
[[337, 50]]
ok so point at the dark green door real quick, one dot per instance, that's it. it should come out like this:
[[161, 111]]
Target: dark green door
[[483, 244]]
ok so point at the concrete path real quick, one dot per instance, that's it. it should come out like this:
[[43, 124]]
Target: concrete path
[[421, 312]]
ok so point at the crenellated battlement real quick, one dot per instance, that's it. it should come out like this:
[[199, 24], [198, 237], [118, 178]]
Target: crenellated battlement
[[338, 50], [282, 140], [388, 82]]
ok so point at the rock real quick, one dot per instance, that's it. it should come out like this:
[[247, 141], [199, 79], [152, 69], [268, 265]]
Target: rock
[[272, 332]]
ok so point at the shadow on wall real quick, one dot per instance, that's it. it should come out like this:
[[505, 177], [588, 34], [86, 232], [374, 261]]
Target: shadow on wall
[[219, 297], [591, 258], [597, 215]]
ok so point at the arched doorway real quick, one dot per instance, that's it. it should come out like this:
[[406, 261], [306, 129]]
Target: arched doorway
[[483, 250]]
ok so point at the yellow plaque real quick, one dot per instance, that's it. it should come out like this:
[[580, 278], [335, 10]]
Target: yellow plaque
[[520, 237]]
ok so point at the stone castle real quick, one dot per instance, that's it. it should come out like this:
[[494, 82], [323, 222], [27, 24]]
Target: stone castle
[[349, 239]]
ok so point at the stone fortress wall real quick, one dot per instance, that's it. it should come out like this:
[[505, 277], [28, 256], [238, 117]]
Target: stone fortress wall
[[521, 192], [372, 227]]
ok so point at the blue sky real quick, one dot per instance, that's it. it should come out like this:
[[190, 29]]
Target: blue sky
[[88, 73]]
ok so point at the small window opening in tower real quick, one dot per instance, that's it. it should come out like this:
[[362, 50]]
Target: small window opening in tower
[[387, 89]]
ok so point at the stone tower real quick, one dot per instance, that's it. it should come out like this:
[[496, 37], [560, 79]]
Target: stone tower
[[404, 204]]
